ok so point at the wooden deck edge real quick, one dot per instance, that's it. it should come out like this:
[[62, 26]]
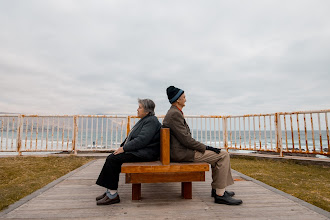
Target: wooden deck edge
[[286, 195]]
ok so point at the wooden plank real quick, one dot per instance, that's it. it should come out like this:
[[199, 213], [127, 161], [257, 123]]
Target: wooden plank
[[164, 177], [165, 146], [156, 167]]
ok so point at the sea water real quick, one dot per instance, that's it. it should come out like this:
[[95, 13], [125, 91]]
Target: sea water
[[62, 140]]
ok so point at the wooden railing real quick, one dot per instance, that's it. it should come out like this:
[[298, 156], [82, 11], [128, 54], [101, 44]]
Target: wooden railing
[[304, 132]]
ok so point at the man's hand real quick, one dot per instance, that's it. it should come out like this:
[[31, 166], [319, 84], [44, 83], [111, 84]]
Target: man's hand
[[217, 150], [119, 151]]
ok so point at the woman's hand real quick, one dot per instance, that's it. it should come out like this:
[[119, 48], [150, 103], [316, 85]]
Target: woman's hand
[[119, 151]]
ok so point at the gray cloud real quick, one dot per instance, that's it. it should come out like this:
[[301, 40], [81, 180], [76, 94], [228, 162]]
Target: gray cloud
[[237, 57]]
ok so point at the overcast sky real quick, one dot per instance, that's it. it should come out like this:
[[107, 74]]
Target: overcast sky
[[230, 57]]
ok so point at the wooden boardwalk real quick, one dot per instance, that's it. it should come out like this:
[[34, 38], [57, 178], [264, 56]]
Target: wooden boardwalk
[[74, 197]]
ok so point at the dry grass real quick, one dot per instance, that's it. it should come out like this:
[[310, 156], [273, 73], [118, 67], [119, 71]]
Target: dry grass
[[310, 183], [20, 176]]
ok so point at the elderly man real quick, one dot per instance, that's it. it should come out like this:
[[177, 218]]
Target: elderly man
[[185, 148]]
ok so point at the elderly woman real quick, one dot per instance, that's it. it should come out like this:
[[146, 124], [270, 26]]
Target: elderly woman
[[141, 144]]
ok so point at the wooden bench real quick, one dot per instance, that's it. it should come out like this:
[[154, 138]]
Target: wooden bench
[[164, 171]]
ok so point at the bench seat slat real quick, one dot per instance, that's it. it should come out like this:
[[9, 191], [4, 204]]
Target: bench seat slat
[[157, 167]]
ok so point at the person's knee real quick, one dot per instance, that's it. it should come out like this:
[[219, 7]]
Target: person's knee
[[111, 158], [224, 156]]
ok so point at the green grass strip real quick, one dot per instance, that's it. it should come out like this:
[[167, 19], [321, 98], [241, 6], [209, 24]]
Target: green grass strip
[[310, 183]]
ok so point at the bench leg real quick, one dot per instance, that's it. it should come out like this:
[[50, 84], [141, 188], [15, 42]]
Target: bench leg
[[136, 191], [186, 190]]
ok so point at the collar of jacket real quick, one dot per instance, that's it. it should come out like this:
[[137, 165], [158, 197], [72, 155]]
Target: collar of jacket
[[141, 119], [175, 107], [137, 125]]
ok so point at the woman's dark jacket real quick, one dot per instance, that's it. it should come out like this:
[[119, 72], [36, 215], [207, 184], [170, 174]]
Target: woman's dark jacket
[[144, 139]]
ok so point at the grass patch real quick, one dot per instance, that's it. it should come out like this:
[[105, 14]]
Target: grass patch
[[20, 176], [310, 183]]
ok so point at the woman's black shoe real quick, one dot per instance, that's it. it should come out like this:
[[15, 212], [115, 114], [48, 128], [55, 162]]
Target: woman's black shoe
[[107, 201], [100, 197]]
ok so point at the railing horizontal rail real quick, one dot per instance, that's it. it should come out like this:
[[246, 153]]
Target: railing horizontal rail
[[301, 112]]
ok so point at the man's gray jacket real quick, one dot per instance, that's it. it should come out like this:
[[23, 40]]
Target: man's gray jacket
[[183, 146]]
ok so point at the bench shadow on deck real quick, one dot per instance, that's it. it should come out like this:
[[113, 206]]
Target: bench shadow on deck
[[74, 197]]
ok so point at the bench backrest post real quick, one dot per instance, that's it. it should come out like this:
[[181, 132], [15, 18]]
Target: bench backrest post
[[165, 146]]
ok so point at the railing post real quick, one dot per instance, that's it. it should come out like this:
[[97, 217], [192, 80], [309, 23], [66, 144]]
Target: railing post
[[128, 125], [278, 134], [75, 134], [19, 134], [225, 133]]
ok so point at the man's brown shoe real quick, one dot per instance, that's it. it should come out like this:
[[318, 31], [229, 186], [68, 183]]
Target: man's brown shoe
[[100, 197], [107, 201]]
